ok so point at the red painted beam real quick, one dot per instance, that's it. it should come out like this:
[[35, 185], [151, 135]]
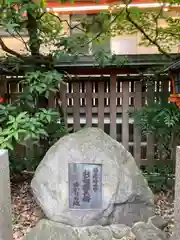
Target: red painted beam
[[90, 3], [86, 6]]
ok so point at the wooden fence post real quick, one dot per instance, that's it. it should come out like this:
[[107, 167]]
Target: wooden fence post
[[2, 86], [150, 137], [113, 109], [101, 105], [63, 102], [5, 198], [125, 115], [137, 132], [89, 104], [76, 106]]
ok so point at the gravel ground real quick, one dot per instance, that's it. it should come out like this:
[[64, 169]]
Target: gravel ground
[[26, 212]]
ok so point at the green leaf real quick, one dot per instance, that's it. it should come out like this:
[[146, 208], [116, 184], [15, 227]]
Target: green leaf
[[7, 145], [16, 136], [11, 118], [48, 117], [9, 2], [11, 27], [21, 115]]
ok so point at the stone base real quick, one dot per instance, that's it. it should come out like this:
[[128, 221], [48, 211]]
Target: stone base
[[48, 230]]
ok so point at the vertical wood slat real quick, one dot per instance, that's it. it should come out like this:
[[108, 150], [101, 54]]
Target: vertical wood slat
[[2, 85], [165, 88], [137, 132], [125, 117], [3, 88], [51, 100], [161, 90], [150, 137], [13, 89], [6, 90], [113, 106], [150, 149], [63, 91], [76, 106], [89, 104], [101, 105]]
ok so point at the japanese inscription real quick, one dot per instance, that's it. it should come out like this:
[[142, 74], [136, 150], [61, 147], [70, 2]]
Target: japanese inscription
[[76, 189], [85, 186]]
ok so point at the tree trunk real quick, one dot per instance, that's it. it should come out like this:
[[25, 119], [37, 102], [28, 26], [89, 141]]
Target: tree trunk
[[32, 27]]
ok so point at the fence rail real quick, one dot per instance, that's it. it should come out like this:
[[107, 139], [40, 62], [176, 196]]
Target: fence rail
[[105, 102]]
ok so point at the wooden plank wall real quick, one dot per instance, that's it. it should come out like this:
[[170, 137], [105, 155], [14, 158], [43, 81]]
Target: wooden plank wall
[[105, 102]]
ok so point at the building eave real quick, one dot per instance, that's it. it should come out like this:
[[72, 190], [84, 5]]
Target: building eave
[[133, 64], [134, 60]]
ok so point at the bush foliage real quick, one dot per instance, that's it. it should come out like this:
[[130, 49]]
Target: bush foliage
[[163, 121], [28, 130]]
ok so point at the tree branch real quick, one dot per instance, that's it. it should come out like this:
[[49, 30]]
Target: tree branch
[[101, 32], [141, 30], [157, 24], [22, 40], [66, 21], [32, 27], [8, 50]]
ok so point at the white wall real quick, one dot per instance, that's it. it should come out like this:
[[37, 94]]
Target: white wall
[[126, 44]]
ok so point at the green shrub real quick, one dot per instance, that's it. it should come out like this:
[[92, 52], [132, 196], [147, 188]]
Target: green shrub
[[28, 130], [160, 176], [163, 121]]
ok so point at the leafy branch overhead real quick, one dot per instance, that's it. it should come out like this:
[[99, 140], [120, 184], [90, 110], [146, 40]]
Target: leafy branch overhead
[[48, 39], [156, 27], [44, 34], [28, 120]]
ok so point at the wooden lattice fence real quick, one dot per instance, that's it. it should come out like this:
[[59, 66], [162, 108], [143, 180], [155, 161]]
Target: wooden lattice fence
[[105, 101]]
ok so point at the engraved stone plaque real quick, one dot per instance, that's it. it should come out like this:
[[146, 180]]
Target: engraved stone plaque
[[85, 186]]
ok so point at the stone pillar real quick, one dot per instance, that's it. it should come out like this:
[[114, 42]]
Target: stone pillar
[[5, 198], [176, 234]]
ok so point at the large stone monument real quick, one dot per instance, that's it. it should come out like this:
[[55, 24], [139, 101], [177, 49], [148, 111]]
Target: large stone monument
[[88, 182]]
